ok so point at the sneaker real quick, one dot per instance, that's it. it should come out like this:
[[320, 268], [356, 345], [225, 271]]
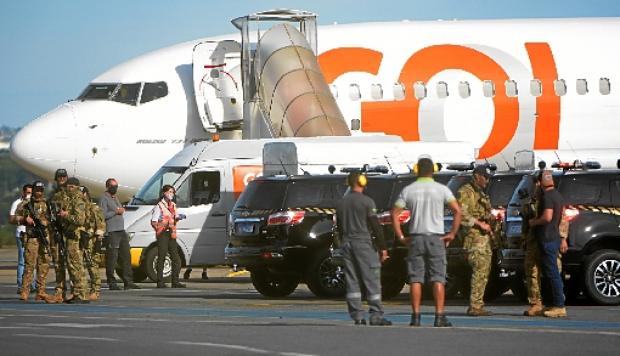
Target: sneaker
[[441, 321], [132, 286], [360, 322], [114, 287], [555, 312], [380, 322], [178, 285], [204, 276], [161, 285], [187, 273], [534, 310], [471, 311], [415, 319]]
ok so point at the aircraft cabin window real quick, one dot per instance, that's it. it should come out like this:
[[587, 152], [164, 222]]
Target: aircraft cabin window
[[604, 86], [535, 87], [488, 88], [334, 89], [464, 90], [376, 92], [153, 91], [582, 86], [205, 188], [442, 90], [419, 90], [559, 86], [511, 89], [354, 92], [127, 93], [399, 91]]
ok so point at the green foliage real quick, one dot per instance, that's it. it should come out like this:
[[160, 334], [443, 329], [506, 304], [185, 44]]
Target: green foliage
[[7, 235], [12, 178]]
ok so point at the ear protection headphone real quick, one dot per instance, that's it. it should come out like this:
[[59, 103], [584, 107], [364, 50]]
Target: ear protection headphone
[[436, 168], [361, 180]]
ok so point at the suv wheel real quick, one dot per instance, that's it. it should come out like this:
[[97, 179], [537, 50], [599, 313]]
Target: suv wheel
[[273, 285], [150, 265], [602, 277], [324, 277]]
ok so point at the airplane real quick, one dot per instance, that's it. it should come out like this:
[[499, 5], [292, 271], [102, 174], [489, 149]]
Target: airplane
[[503, 85]]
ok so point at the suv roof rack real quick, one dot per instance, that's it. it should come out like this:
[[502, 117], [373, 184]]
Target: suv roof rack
[[462, 167], [576, 165], [364, 169]]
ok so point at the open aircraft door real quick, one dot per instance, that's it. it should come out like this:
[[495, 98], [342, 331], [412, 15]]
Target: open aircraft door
[[217, 84]]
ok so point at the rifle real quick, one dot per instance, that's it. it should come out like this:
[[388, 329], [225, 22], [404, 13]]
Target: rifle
[[84, 247], [39, 229], [57, 232]]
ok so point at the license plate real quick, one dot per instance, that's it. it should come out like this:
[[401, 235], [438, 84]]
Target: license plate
[[245, 228], [514, 229]]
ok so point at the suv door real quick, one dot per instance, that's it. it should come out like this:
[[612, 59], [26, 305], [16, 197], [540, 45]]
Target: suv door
[[203, 233]]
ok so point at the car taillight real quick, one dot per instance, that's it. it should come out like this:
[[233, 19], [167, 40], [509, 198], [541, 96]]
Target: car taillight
[[570, 213], [292, 217], [386, 217], [498, 213]]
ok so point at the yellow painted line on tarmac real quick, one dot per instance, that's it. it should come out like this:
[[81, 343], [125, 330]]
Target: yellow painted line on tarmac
[[238, 274]]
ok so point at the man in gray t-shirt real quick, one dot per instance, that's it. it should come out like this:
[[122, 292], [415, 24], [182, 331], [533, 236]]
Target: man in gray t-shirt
[[426, 199]]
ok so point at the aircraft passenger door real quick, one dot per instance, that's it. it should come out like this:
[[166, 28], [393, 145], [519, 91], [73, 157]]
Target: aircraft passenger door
[[203, 232], [217, 83]]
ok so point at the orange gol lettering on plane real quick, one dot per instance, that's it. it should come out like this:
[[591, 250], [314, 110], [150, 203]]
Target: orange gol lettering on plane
[[401, 117]]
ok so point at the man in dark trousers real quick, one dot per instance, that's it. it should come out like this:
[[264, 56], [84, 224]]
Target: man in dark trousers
[[546, 229], [355, 214], [426, 200]]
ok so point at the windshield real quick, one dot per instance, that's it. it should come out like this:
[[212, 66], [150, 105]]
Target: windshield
[[316, 194], [261, 194], [523, 191], [149, 193], [125, 93], [502, 188], [457, 182], [380, 190]]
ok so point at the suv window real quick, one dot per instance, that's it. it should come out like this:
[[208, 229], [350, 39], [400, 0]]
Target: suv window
[[262, 194], [319, 194], [381, 191], [501, 189], [584, 189]]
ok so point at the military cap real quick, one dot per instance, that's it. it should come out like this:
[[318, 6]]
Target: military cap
[[483, 170], [38, 185], [61, 172], [73, 181]]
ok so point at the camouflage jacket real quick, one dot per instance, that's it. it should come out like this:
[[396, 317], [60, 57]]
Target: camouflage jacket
[[95, 221], [76, 219], [39, 208], [475, 205]]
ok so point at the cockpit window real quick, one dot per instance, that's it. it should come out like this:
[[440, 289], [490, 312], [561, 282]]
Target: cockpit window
[[125, 93], [152, 91]]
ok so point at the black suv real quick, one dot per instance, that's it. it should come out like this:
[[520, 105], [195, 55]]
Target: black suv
[[500, 188], [282, 230], [592, 263]]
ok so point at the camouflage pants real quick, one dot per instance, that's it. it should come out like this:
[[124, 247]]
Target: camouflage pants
[[93, 271], [35, 257], [75, 264], [59, 269], [479, 258], [532, 269]]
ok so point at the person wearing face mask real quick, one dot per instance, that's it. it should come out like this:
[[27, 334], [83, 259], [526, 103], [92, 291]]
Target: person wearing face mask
[[21, 229], [164, 221], [117, 239]]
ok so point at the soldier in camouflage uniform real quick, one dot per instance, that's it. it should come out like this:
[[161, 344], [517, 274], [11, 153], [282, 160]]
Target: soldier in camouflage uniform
[[73, 218], [477, 232], [36, 255], [94, 228], [58, 198]]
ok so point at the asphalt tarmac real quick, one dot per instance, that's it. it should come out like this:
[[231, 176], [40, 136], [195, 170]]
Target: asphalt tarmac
[[226, 316]]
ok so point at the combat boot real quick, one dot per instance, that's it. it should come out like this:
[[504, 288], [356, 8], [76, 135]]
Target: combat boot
[[178, 285], [41, 296], [555, 312], [204, 276], [472, 311], [360, 322], [380, 322], [534, 310], [24, 294], [415, 319], [93, 296]]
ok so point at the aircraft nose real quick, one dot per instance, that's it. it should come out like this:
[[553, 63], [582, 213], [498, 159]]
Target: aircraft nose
[[46, 143]]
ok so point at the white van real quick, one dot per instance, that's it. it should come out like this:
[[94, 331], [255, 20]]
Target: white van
[[210, 176]]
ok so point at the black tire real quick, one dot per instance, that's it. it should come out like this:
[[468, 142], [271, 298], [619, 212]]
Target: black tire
[[324, 277], [392, 279], [601, 277], [273, 285], [150, 265]]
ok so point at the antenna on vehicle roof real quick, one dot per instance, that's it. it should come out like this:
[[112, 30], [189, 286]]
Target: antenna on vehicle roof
[[389, 164], [511, 168], [283, 167]]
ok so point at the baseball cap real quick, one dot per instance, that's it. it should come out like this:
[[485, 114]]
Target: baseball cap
[[483, 170], [38, 185], [73, 181]]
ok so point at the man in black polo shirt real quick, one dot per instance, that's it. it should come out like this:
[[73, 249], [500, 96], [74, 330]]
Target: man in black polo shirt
[[546, 229]]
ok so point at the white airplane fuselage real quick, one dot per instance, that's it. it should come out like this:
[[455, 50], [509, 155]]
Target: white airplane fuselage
[[504, 85]]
